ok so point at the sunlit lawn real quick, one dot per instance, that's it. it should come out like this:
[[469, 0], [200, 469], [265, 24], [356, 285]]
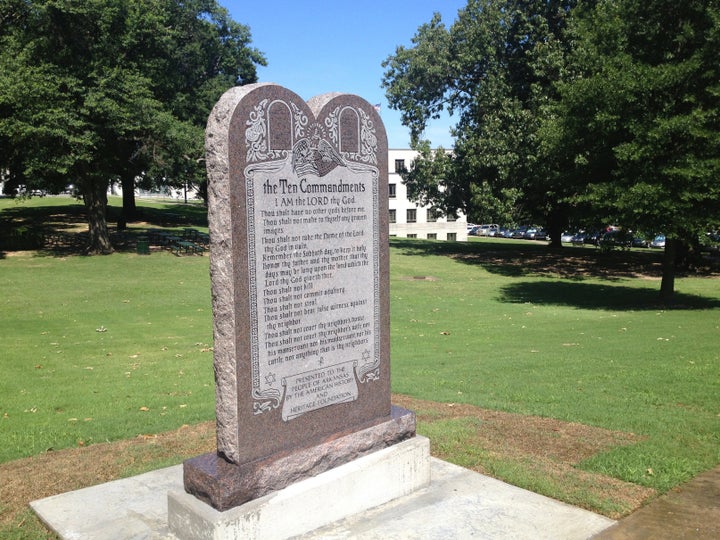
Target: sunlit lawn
[[597, 351], [105, 348]]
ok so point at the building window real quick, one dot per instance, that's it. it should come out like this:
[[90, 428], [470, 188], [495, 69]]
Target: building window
[[393, 216], [411, 215], [432, 236], [433, 215], [392, 191], [412, 235], [452, 236], [400, 166], [451, 217]]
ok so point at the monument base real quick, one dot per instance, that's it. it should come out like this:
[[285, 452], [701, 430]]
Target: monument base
[[224, 485], [343, 491]]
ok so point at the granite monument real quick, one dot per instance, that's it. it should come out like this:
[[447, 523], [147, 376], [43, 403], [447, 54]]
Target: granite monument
[[298, 214]]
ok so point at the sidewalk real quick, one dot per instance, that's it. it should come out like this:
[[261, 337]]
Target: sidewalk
[[688, 511]]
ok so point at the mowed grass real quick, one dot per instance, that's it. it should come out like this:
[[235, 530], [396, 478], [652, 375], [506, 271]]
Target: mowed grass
[[105, 348], [595, 350], [102, 348]]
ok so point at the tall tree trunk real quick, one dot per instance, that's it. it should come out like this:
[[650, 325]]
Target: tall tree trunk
[[667, 285], [129, 211], [555, 232], [95, 197], [556, 222]]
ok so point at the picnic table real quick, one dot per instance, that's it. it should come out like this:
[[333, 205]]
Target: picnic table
[[193, 235], [186, 247], [171, 239], [203, 238], [180, 242], [158, 236]]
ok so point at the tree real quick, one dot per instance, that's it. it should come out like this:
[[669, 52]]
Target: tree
[[495, 68], [98, 90], [638, 118], [430, 181]]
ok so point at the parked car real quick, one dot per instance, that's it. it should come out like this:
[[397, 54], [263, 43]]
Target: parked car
[[712, 242], [567, 237], [488, 229], [658, 242], [639, 242], [519, 232], [613, 239], [534, 233], [578, 239], [593, 237]]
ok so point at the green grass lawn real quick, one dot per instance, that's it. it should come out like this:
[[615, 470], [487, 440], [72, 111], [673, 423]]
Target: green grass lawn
[[109, 347], [102, 348], [598, 351]]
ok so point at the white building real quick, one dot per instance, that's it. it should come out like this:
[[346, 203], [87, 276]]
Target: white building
[[409, 220]]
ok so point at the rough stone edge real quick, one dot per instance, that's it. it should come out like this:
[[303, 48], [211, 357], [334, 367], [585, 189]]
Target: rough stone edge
[[224, 485], [217, 144]]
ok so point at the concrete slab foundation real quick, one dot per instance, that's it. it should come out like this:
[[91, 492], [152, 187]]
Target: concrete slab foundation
[[458, 503], [462, 504], [131, 508], [341, 492]]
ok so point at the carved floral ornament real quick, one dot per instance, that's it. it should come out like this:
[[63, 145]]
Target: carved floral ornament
[[309, 141]]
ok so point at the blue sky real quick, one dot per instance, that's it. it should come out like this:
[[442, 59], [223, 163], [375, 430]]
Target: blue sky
[[319, 46]]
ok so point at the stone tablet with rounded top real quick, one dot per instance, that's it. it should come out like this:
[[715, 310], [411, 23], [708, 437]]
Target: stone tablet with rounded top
[[299, 269]]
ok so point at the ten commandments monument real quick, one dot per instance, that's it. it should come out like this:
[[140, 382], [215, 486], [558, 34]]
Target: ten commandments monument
[[299, 266]]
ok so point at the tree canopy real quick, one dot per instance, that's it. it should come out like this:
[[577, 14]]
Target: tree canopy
[[494, 68], [93, 91], [637, 123], [597, 110]]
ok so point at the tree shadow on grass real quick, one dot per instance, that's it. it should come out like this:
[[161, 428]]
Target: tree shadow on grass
[[167, 215], [61, 230], [530, 258], [599, 296]]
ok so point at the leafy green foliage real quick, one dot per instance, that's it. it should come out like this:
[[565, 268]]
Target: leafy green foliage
[[639, 113], [417, 78], [494, 68], [636, 126], [597, 112], [97, 90]]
